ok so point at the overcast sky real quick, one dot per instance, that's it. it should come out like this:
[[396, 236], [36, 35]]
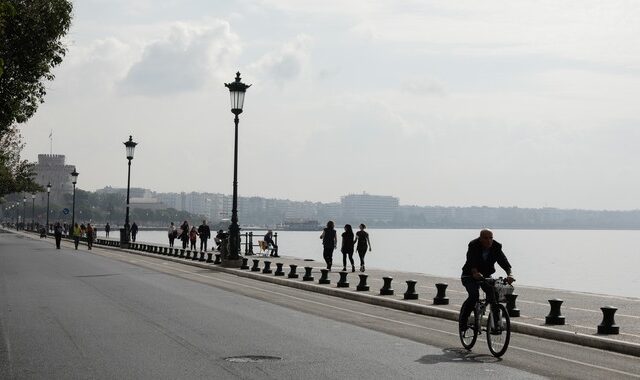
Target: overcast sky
[[454, 103]]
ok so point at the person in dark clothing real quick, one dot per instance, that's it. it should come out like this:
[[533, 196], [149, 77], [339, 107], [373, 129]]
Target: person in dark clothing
[[220, 236], [107, 229], [362, 243], [57, 233], [268, 239], [184, 234], [90, 232], [134, 231], [347, 247], [329, 243], [205, 234], [482, 254]]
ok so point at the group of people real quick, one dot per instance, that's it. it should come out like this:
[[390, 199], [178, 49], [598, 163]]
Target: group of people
[[77, 231], [188, 235], [360, 241]]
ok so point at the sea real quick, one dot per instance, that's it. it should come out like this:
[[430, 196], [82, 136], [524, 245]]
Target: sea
[[591, 261]]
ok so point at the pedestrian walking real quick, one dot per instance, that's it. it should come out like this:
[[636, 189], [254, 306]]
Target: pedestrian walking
[[362, 243], [134, 231], [347, 247], [172, 233], [205, 234], [90, 232], [57, 233], [184, 234], [76, 233], [107, 228], [329, 243], [193, 237]]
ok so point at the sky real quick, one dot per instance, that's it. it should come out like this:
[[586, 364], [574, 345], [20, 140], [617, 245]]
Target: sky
[[450, 103]]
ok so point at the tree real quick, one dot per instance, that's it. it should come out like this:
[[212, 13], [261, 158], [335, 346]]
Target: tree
[[31, 46]]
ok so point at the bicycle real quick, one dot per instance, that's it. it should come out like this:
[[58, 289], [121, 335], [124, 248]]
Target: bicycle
[[498, 328]]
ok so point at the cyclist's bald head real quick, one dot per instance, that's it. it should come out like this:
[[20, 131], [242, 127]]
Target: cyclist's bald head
[[486, 238]]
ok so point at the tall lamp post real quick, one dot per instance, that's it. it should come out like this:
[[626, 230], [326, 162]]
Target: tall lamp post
[[24, 211], [130, 148], [74, 180], [33, 208], [48, 193], [237, 90]]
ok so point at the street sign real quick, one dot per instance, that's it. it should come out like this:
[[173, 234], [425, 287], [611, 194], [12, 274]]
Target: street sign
[[65, 211]]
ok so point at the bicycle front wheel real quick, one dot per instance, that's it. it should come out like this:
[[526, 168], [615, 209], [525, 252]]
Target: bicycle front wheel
[[498, 330], [469, 332]]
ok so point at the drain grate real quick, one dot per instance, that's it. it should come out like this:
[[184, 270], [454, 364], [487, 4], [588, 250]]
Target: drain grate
[[252, 359]]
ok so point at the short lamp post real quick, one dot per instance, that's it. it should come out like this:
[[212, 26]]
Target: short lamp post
[[33, 209], [130, 148], [237, 90], [48, 193], [74, 180]]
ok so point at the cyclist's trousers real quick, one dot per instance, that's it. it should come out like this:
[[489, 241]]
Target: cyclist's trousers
[[473, 289]]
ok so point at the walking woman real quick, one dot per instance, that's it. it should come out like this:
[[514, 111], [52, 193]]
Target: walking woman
[[172, 233], [329, 243], [362, 241], [193, 237], [77, 233], [347, 247], [184, 234]]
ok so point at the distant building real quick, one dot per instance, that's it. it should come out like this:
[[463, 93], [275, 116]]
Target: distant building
[[368, 208], [51, 168]]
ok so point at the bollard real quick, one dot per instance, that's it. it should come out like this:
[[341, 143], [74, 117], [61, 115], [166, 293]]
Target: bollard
[[386, 289], [201, 256], [279, 271], [324, 277], [554, 317], [608, 325], [292, 271], [362, 285], [176, 252], [218, 259], [342, 282], [165, 251], [307, 274], [255, 267], [411, 294], [195, 256], [188, 255], [209, 257], [181, 253], [441, 295], [267, 267], [511, 305], [244, 263]]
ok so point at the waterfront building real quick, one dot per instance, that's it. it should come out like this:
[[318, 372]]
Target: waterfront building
[[53, 168], [369, 208]]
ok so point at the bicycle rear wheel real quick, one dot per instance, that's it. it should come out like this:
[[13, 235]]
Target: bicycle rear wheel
[[498, 331], [469, 334]]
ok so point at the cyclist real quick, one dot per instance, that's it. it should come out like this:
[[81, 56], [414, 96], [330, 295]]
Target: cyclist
[[482, 255]]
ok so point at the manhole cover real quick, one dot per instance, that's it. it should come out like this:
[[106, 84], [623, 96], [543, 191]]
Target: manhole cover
[[252, 359]]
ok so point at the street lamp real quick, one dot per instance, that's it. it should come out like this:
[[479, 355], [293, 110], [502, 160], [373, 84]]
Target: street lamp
[[24, 211], [48, 193], [74, 180], [130, 148], [33, 207], [237, 90]]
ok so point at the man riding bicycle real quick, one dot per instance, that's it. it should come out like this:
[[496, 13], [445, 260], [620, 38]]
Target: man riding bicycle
[[482, 255]]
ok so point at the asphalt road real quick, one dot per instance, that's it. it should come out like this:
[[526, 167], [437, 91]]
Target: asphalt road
[[109, 314]]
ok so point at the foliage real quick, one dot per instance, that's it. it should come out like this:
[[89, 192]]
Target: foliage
[[15, 175]]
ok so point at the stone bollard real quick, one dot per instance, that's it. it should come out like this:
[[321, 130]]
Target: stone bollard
[[195, 256], [209, 257], [411, 294], [342, 282], [165, 251], [188, 255], [307, 274], [511, 305], [386, 289], [182, 253], [218, 259], [279, 271], [554, 317], [267, 267], [176, 252], [362, 285], [292, 271], [244, 265], [256, 265], [324, 277], [608, 325], [201, 256], [441, 295]]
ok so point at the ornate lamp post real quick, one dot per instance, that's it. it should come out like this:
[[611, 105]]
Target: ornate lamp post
[[130, 148], [48, 193], [74, 180], [33, 208], [237, 90]]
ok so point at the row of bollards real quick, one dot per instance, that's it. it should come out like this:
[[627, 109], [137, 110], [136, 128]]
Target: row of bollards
[[555, 317]]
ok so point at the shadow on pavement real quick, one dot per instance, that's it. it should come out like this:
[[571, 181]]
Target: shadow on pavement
[[458, 355]]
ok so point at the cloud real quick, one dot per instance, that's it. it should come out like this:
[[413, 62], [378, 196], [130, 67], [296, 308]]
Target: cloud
[[287, 63], [188, 58]]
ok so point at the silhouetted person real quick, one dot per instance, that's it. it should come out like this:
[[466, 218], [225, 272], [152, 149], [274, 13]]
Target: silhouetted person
[[107, 228], [134, 231], [205, 234], [57, 233], [90, 232], [329, 243], [184, 234], [362, 242], [268, 239], [172, 233], [347, 247]]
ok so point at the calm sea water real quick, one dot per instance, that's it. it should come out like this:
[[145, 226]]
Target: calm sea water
[[604, 262]]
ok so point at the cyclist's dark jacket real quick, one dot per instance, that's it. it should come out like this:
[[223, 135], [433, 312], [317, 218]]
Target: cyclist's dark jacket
[[486, 267]]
